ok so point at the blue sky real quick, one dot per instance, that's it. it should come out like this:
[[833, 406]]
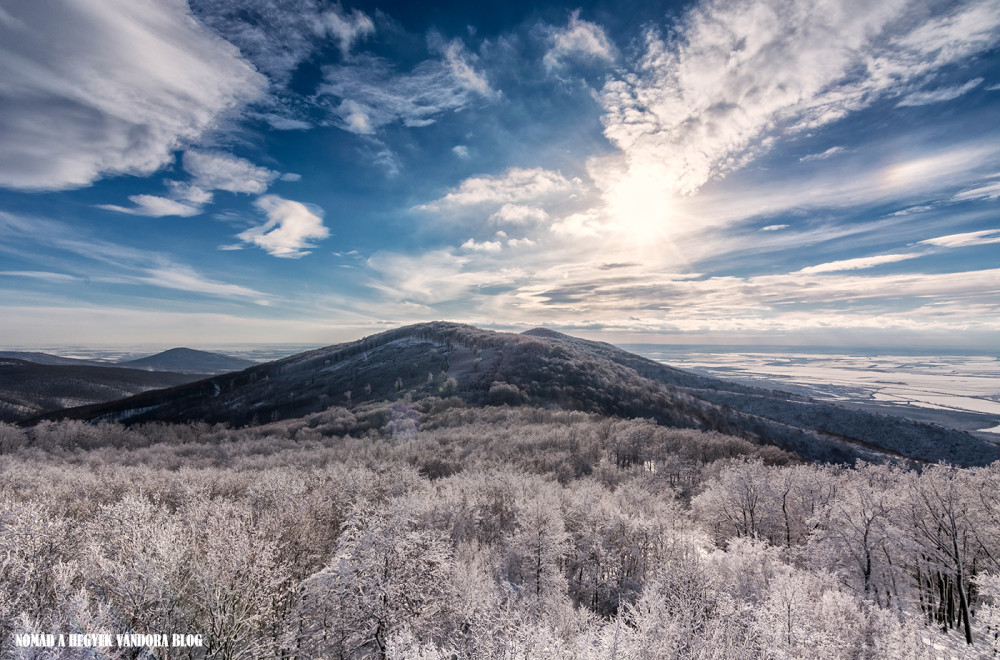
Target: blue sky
[[755, 171]]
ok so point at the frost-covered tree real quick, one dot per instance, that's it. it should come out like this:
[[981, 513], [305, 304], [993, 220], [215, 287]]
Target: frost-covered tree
[[386, 575], [858, 533]]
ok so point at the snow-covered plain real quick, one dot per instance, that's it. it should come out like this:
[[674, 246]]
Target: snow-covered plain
[[958, 385]]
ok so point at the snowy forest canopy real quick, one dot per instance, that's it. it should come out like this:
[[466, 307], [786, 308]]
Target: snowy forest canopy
[[442, 530]]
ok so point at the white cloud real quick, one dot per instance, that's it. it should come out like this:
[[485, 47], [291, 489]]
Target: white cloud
[[188, 193], [774, 228], [484, 246], [458, 60], [95, 89], [514, 186], [153, 206], [940, 94], [739, 75], [209, 171], [829, 153], [579, 40], [289, 229], [985, 237], [911, 210], [584, 224], [858, 264], [520, 242], [461, 151], [212, 170], [369, 94], [519, 214], [290, 176], [346, 28]]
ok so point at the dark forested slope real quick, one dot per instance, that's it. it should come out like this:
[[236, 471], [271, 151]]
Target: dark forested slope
[[539, 367], [29, 388]]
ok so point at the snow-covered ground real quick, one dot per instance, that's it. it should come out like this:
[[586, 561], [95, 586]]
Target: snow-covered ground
[[959, 384]]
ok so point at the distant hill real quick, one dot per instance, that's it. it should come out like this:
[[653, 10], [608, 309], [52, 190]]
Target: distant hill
[[539, 368], [47, 358], [28, 389], [188, 360]]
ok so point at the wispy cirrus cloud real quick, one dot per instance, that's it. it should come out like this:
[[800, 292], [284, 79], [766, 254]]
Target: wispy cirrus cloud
[[185, 278], [739, 75], [859, 263], [509, 191], [39, 275], [940, 94], [987, 191], [154, 206], [441, 276], [367, 92], [968, 239], [278, 35], [104, 261], [829, 153], [146, 81], [579, 40]]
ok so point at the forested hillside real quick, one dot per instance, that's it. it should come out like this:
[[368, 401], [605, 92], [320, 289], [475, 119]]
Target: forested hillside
[[539, 368], [437, 529]]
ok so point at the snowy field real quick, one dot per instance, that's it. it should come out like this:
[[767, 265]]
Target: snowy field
[[961, 390]]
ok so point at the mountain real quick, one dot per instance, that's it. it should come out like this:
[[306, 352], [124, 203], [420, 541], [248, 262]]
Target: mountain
[[188, 360], [539, 368], [28, 388]]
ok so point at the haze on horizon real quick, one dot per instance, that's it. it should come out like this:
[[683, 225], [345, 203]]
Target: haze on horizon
[[746, 172]]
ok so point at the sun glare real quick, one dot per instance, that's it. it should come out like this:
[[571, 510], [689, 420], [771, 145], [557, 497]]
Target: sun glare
[[641, 205]]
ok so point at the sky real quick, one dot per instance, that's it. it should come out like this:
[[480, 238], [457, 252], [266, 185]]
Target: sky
[[723, 171]]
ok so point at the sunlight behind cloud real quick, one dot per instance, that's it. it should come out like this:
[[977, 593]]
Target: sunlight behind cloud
[[640, 204]]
